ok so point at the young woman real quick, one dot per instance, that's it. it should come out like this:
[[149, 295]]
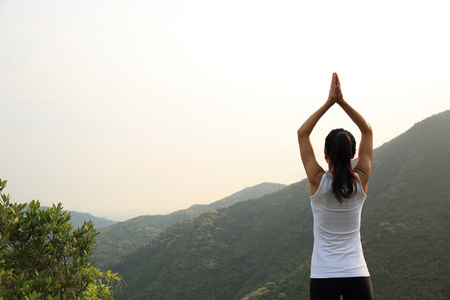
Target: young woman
[[337, 196]]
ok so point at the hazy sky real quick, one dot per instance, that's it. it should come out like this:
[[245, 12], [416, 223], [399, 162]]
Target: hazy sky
[[126, 108]]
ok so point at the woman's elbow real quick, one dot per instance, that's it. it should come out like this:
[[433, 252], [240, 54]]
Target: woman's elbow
[[302, 134], [367, 129]]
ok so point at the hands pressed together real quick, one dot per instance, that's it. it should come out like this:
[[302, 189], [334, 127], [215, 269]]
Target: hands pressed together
[[335, 95]]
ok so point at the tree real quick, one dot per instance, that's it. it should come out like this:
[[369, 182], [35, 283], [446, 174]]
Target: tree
[[42, 255]]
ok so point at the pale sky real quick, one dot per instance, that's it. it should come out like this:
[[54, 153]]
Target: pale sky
[[126, 108]]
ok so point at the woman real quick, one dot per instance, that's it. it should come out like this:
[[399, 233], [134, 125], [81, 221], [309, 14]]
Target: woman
[[337, 265]]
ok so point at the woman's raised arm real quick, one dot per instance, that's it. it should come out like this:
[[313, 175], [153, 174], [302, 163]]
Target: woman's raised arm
[[313, 170], [365, 153]]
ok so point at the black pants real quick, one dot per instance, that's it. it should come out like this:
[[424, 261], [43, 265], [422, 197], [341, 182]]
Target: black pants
[[353, 288]]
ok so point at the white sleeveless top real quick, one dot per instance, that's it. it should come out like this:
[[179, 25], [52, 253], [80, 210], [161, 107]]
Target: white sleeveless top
[[337, 248]]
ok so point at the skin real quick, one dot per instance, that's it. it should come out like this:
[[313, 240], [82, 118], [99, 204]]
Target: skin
[[313, 170]]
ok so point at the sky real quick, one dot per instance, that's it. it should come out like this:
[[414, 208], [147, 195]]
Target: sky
[[129, 108]]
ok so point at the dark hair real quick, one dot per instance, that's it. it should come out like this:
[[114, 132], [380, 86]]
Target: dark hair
[[340, 146]]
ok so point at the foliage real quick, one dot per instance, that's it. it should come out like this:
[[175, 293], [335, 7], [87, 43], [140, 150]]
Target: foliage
[[125, 237], [42, 255]]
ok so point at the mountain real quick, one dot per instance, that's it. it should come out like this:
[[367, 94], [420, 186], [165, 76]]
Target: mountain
[[261, 248], [220, 253], [77, 219], [125, 237]]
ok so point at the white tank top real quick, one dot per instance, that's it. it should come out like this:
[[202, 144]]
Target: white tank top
[[337, 248]]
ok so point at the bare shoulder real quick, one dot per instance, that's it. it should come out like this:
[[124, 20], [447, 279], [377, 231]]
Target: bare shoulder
[[314, 182], [364, 178]]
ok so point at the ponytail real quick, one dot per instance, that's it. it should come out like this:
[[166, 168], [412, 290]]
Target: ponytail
[[340, 146]]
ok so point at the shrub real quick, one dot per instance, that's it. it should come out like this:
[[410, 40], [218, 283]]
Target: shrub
[[42, 255]]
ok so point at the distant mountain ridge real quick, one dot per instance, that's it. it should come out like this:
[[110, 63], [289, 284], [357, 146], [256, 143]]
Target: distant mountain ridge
[[77, 219], [125, 237], [248, 193], [261, 248]]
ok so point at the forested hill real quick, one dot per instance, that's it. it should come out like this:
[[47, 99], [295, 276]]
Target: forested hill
[[260, 249], [125, 237]]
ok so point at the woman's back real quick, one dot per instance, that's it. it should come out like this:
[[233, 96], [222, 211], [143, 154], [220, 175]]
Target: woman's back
[[337, 247]]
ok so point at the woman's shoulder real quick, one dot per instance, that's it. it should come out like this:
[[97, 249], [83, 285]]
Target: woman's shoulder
[[362, 178], [325, 178]]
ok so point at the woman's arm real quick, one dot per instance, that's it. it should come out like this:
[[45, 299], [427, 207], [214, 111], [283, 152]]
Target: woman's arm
[[365, 154], [313, 170]]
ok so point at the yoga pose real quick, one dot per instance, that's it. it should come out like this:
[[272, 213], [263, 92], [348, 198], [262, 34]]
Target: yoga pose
[[338, 266]]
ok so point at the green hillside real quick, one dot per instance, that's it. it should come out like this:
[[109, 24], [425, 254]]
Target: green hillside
[[407, 226], [260, 249], [222, 253], [125, 237]]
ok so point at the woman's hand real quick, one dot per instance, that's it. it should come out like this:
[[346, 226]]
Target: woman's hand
[[335, 94], [340, 98]]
